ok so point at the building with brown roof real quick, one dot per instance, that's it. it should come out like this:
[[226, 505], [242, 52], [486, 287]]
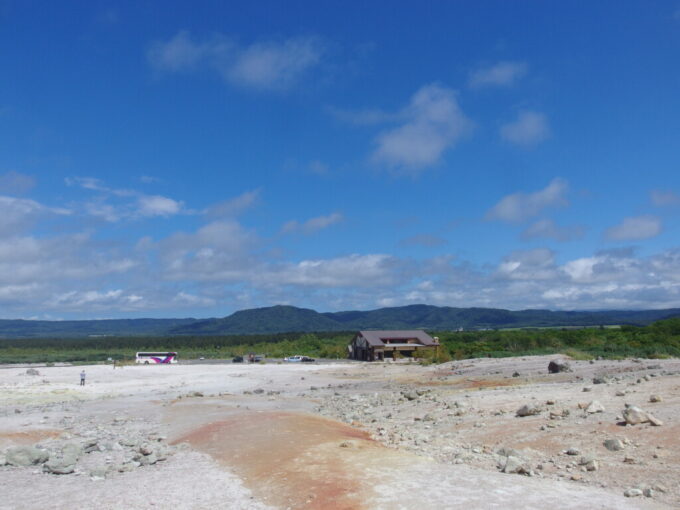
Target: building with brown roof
[[377, 345]]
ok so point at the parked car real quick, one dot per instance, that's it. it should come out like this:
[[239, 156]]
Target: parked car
[[299, 359], [237, 359]]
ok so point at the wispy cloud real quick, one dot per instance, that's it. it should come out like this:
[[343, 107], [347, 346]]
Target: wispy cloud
[[313, 224], [234, 206], [127, 203], [15, 182], [16, 214], [528, 130], [433, 124], [664, 198], [268, 65], [501, 74], [519, 207], [548, 229], [635, 228]]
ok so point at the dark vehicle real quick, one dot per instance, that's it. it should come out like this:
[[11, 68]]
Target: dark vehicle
[[237, 359]]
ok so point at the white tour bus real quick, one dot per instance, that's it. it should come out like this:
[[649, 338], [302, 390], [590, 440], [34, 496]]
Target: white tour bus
[[148, 358]]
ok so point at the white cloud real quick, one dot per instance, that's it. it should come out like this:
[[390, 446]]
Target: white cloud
[[663, 198], [536, 264], [272, 65], [434, 124], [127, 203], [180, 53], [635, 229], [501, 74], [354, 270], [17, 214], [15, 182], [218, 251], [236, 205], [313, 224], [519, 207], [548, 229], [528, 130], [97, 300], [156, 205]]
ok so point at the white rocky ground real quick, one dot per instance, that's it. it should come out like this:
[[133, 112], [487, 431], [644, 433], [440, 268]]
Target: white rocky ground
[[341, 436]]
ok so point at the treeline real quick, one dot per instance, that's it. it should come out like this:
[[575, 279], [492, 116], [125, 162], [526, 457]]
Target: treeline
[[92, 349], [658, 340]]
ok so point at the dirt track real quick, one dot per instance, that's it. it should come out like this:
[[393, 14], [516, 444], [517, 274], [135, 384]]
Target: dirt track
[[255, 437]]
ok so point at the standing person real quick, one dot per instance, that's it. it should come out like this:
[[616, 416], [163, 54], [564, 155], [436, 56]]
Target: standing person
[[82, 378]]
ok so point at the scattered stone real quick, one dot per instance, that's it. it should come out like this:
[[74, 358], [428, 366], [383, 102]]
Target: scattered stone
[[528, 410], [634, 416], [655, 398], [620, 393], [587, 389], [25, 456], [258, 391], [515, 374], [632, 493], [514, 465], [613, 445], [32, 371], [594, 407], [558, 365], [572, 451], [600, 379], [60, 466]]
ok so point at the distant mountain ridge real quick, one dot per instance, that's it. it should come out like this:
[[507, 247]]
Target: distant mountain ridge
[[288, 319]]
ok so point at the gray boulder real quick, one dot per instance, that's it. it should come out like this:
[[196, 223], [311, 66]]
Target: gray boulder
[[60, 466], [514, 465], [558, 365], [32, 371], [613, 445], [527, 410], [594, 407], [634, 416], [26, 456]]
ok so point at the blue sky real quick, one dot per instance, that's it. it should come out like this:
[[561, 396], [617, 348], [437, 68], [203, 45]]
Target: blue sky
[[162, 159]]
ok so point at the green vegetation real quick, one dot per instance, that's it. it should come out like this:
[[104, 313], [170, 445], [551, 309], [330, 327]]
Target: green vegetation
[[286, 319], [658, 340]]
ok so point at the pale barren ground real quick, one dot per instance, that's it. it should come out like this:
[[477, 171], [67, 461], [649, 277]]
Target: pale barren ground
[[343, 436]]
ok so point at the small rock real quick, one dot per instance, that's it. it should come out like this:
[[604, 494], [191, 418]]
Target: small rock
[[655, 398], [613, 445], [528, 410], [600, 379], [573, 451], [595, 407], [557, 365], [632, 493], [514, 465], [32, 371]]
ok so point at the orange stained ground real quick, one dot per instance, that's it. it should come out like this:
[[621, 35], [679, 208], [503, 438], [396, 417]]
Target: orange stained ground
[[296, 460]]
